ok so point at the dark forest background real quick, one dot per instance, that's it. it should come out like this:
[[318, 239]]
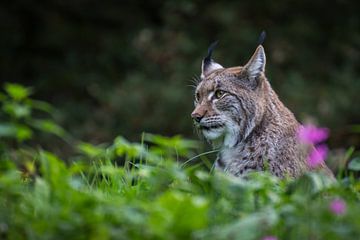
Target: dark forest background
[[124, 67]]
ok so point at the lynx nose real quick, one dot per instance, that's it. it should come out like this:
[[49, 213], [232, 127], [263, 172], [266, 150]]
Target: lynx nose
[[196, 117]]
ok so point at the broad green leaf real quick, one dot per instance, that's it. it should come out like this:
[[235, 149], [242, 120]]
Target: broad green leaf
[[312, 183], [53, 169], [17, 91], [17, 131], [49, 126], [78, 167], [23, 133], [171, 146], [246, 228], [123, 147], [179, 214], [17, 110], [90, 149], [40, 105], [8, 130]]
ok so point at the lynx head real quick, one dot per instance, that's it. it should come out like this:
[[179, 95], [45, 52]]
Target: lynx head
[[229, 102]]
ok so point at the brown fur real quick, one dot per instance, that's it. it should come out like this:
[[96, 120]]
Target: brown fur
[[237, 110]]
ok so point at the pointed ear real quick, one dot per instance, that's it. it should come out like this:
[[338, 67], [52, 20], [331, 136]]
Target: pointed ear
[[208, 65], [256, 64]]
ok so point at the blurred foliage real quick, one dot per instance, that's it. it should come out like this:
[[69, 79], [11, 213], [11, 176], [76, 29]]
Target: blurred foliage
[[152, 196], [19, 116], [157, 188], [124, 67]]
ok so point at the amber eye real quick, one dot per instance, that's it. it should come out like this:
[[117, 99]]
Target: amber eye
[[219, 94]]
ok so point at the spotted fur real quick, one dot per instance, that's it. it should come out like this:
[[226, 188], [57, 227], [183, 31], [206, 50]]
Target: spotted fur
[[237, 110]]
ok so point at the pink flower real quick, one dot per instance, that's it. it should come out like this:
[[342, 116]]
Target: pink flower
[[338, 206], [269, 238], [317, 156], [311, 134]]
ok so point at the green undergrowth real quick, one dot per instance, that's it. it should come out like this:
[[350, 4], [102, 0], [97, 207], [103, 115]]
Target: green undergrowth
[[158, 188], [93, 198]]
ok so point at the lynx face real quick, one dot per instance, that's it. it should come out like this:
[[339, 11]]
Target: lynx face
[[228, 101]]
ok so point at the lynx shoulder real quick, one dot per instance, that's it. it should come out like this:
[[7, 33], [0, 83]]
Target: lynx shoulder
[[237, 110]]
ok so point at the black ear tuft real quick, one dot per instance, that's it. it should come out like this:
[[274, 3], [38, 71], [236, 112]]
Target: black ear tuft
[[262, 38], [208, 65], [211, 48]]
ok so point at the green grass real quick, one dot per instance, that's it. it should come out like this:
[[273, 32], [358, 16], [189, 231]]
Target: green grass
[[158, 188]]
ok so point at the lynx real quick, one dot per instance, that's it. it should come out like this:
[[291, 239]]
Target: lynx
[[237, 110]]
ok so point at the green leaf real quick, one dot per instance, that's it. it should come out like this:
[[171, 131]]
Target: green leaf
[[17, 91], [246, 228], [90, 150], [23, 133], [49, 126], [354, 164], [16, 110], [123, 147], [53, 169], [178, 213], [17, 131], [312, 183], [111, 170], [40, 105], [176, 145], [7, 130]]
